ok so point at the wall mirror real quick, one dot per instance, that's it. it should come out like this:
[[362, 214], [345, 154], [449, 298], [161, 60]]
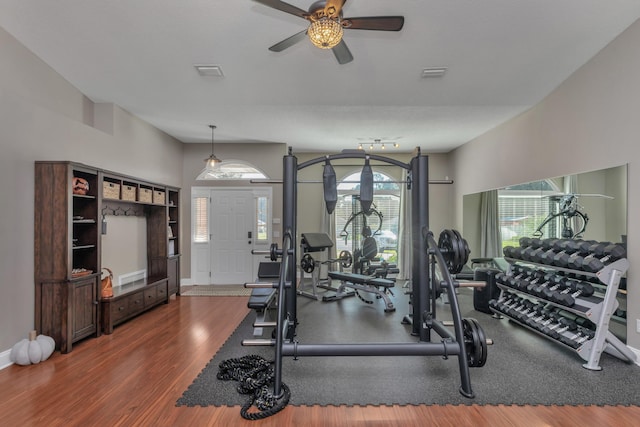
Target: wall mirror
[[530, 209], [599, 196]]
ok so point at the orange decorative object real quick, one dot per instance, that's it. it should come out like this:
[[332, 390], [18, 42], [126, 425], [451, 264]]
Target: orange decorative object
[[107, 285], [80, 186]]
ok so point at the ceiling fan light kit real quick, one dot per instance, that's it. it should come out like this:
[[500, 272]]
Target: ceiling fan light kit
[[327, 24], [325, 33]]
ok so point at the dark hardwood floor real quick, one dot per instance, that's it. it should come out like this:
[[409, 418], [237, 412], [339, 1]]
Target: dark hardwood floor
[[134, 377]]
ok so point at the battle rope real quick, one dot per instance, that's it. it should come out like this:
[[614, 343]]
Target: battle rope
[[255, 376]]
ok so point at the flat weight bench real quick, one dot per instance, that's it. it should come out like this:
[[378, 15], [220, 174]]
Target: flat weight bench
[[261, 299], [359, 282]]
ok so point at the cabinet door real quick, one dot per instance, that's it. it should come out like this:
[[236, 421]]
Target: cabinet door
[[85, 308], [173, 275]]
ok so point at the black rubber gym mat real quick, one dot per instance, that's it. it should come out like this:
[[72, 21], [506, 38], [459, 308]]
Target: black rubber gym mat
[[522, 368]]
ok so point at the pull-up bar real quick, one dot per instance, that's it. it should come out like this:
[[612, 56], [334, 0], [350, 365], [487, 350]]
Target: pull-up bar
[[350, 181]]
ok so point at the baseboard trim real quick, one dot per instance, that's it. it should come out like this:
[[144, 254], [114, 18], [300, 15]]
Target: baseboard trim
[[637, 352], [5, 360]]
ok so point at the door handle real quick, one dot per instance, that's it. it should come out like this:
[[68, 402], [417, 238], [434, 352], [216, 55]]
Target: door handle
[[249, 241], [248, 234]]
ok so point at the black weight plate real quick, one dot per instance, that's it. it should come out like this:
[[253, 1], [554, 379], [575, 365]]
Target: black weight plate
[[445, 245], [482, 339], [476, 349], [455, 244], [307, 263], [464, 249]]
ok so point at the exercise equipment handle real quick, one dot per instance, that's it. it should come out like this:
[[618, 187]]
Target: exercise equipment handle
[[469, 284]]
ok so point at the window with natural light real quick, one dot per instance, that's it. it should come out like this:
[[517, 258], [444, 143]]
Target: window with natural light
[[232, 170], [523, 208], [262, 215], [384, 223], [201, 219]]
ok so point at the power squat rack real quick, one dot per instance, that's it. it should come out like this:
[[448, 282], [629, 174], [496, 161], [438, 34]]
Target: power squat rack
[[432, 265]]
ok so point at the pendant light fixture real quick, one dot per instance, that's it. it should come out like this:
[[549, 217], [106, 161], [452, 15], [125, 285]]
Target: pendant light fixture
[[212, 162]]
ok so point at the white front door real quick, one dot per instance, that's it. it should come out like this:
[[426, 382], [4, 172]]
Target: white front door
[[226, 225], [232, 225]]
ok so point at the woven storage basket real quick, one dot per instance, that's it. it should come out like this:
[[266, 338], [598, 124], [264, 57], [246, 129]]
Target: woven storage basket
[[158, 197], [110, 190], [129, 193], [145, 195]]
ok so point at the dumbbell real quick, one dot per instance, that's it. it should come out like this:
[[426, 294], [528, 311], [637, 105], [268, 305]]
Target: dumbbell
[[547, 289], [564, 249], [507, 300], [515, 309], [512, 252], [582, 322], [531, 254], [548, 243], [549, 324], [500, 278], [540, 282], [521, 311], [560, 295], [582, 249], [578, 338], [573, 289], [519, 273], [532, 242], [544, 256], [561, 325], [600, 255], [534, 320], [585, 335]]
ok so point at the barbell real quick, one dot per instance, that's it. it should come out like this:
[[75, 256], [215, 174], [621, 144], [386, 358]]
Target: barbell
[[308, 264]]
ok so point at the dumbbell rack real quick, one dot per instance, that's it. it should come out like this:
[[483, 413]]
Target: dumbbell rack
[[595, 308]]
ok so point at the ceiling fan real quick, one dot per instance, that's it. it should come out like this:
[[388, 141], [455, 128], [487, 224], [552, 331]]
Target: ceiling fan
[[326, 26]]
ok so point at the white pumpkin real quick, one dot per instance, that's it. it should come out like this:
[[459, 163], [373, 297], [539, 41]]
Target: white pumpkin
[[19, 352], [47, 344], [33, 350]]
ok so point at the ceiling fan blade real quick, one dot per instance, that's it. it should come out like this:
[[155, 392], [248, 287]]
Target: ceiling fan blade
[[342, 53], [379, 23], [288, 42], [284, 7], [333, 7]]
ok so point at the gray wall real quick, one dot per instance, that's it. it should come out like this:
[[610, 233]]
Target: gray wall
[[589, 122], [266, 157], [42, 117]]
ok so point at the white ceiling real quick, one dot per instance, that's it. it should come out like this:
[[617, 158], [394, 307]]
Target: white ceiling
[[503, 56]]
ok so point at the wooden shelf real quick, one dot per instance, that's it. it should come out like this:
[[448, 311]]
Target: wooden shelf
[[68, 307]]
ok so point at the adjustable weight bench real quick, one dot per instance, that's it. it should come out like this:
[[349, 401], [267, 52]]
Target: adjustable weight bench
[[359, 282], [261, 299]]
